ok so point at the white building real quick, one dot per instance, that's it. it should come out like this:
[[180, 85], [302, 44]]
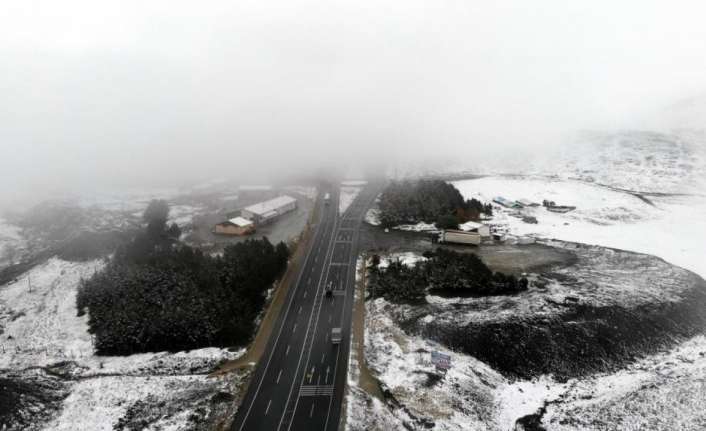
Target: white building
[[480, 228], [265, 212]]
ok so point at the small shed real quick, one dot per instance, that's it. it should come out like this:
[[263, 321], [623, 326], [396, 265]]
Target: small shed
[[235, 226]]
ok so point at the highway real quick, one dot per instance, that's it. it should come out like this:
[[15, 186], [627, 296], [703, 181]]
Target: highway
[[299, 382]]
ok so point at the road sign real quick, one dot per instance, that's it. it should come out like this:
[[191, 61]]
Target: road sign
[[440, 360]]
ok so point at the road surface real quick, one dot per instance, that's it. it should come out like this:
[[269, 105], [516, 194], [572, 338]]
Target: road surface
[[300, 380]]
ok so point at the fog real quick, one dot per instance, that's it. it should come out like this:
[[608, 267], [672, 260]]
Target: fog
[[159, 93]]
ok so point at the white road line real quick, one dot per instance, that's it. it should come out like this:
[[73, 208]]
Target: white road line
[[322, 357], [279, 375], [338, 348], [295, 328], [300, 310], [287, 352], [268, 407], [317, 236], [322, 279], [305, 292], [311, 412]]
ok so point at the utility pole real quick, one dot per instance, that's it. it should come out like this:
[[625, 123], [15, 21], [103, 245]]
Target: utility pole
[[29, 282]]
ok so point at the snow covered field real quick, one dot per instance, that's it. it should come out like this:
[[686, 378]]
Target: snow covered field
[[673, 229], [38, 315], [40, 328]]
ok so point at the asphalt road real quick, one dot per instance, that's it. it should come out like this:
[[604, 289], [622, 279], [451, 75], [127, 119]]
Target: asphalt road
[[300, 380]]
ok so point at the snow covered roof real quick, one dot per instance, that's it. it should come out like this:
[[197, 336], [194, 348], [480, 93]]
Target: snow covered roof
[[263, 208], [241, 221], [470, 225]]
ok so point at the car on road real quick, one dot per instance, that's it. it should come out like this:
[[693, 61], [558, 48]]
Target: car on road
[[336, 335]]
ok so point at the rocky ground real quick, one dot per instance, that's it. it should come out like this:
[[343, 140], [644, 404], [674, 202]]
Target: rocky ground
[[518, 360], [593, 314]]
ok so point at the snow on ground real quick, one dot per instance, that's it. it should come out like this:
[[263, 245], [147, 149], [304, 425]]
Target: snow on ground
[[407, 258], [419, 227], [346, 198], [38, 315], [674, 229], [40, 328], [98, 404], [665, 391], [183, 215], [635, 160], [363, 411], [471, 396], [372, 217]]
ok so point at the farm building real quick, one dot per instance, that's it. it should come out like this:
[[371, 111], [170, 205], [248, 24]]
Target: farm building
[[235, 226], [506, 202], [482, 229], [265, 212]]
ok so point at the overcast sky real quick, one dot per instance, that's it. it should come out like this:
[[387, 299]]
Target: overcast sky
[[159, 92]]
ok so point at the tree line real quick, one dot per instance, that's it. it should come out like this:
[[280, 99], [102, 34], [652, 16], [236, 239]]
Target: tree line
[[159, 294], [445, 272], [429, 201]]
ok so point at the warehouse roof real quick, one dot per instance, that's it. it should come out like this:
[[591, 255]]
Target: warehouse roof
[[263, 208], [241, 221]]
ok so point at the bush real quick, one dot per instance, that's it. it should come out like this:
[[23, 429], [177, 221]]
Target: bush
[[430, 201], [447, 221], [444, 271]]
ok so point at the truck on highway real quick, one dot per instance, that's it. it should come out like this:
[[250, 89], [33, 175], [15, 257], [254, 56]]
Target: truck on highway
[[327, 198], [459, 237], [336, 335]]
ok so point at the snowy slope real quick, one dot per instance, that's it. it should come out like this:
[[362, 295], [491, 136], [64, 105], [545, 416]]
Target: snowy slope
[[634, 160]]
